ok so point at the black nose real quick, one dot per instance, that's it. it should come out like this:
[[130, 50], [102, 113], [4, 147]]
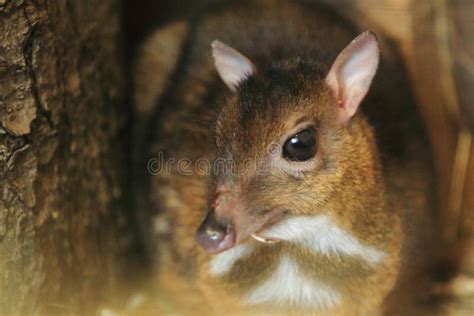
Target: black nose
[[215, 236]]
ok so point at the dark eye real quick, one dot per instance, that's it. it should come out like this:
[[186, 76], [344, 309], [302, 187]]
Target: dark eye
[[302, 146]]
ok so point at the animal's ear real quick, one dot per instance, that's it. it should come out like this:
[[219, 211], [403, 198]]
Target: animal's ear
[[232, 66], [352, 73]]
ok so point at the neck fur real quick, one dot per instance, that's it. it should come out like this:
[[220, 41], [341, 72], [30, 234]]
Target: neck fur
[[287, 283]]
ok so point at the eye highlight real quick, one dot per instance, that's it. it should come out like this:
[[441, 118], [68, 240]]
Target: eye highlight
[[301, 146]]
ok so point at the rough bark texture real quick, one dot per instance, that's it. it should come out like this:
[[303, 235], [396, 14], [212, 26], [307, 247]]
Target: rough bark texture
[[62, 220]]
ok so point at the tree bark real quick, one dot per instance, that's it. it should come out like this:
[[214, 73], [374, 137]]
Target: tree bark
[[63, 223]]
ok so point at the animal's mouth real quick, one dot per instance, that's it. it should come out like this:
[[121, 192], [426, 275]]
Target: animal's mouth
[[217, 235], [263, 239], [277, 216]]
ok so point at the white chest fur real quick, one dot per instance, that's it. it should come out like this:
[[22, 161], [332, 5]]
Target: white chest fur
[[287, 286]]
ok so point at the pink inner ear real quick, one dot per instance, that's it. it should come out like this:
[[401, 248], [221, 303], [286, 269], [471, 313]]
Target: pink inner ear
[[232, 66], [352, 73]]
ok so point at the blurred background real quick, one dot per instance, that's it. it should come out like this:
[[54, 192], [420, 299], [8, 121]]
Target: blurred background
[[435, 41]]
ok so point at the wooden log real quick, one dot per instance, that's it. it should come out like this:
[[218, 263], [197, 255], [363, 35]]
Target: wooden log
[[63, 224]]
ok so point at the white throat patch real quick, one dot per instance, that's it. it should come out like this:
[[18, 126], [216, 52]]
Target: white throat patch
[[322, 235], [223, 262], [288, 286]]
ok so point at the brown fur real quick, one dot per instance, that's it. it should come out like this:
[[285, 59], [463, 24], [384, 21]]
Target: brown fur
[[374, 174]]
